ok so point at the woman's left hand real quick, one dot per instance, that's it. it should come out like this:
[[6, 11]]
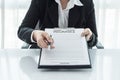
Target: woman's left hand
[[87, 33]]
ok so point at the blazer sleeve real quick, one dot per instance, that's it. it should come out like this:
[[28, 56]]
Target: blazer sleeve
[[29, 22], [91, 22]]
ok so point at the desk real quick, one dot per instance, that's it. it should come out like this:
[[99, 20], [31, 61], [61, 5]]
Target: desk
[[17, 64]]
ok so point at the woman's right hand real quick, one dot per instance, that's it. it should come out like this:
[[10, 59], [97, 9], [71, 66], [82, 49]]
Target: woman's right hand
[[42, 38]]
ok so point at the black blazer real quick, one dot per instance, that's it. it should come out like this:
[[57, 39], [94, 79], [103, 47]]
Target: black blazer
[[46, 12]]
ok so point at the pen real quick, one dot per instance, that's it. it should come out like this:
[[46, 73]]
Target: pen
[[49, 44]]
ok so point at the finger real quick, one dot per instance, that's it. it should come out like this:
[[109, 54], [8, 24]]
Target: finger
[[88, 37], [89, 33], [41, 43], [47, 36], [52, 44], [85, 32]]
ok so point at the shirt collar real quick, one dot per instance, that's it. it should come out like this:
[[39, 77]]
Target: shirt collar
[[71, 3]]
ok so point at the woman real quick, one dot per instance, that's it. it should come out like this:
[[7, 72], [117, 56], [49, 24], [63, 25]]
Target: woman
[[58, 13]]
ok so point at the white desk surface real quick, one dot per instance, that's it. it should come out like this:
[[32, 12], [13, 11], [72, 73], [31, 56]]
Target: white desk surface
[[18, 64]]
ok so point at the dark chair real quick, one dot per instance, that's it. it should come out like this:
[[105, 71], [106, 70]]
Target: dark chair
[[25, 46], [99, 45]]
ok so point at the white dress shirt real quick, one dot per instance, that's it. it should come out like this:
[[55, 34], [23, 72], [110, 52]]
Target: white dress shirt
[[63, 14]]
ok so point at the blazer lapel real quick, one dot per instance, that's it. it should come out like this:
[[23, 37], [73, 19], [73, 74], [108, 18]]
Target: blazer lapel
[[53, 13], [74, 15]]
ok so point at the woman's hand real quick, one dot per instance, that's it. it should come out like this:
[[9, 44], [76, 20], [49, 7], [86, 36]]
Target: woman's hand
[[87, 33], [42, 38]]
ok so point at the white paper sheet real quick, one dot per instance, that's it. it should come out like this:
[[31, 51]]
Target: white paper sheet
[[70, 48]]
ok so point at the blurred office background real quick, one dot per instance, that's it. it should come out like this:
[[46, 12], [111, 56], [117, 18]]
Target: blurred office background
[[12, 13]]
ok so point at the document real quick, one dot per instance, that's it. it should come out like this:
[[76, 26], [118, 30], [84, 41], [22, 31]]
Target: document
[[70, 50]]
